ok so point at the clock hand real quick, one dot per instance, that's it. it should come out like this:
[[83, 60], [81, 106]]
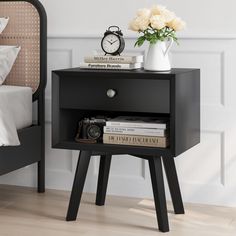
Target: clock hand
[[109, 42], [114, 41]]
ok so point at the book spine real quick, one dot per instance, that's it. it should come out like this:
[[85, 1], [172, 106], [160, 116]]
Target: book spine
[[116, 59], [134, 131], [110, 66], [136, 125], [135, 140]]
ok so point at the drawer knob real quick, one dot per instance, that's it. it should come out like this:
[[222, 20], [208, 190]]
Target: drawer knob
[[111, 93]]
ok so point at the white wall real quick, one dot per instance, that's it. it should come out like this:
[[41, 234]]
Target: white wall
[[71, 17], [207, 172]]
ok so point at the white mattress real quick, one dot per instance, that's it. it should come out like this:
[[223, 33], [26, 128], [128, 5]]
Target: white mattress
[[15, 112]]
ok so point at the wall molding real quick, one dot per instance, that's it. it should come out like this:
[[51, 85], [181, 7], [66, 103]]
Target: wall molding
[[189, 36], [221, 53]]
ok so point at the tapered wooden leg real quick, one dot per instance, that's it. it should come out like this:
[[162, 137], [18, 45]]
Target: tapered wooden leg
[[104, 169], [172, 179], [77, 189], [159, 193]]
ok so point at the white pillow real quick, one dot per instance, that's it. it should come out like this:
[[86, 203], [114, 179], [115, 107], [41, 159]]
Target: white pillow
[[8, 55], [3, 23]]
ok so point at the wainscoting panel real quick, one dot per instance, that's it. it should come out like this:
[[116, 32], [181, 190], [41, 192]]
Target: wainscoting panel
[[206, 172]]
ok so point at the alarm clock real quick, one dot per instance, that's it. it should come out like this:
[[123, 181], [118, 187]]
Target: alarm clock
[[113, 42]]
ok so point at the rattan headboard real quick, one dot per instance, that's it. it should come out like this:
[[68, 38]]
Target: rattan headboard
[[27, 28]]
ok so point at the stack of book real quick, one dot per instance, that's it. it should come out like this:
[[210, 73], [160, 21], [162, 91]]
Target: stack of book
[[136, 131], [124, 62]]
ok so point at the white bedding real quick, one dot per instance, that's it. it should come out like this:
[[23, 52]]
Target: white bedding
[[15, 113]]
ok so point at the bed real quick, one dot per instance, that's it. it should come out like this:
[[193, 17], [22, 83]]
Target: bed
[[28, 28], [15, 113]]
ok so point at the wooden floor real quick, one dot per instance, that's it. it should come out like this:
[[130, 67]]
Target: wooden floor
[[27, 213]]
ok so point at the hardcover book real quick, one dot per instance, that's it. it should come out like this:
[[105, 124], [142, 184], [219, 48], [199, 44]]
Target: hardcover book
[[110, 66], [134, 131], [137, 122], [136, 140], [123, 59]]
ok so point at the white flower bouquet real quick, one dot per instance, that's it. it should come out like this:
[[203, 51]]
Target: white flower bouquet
[[156, 24]]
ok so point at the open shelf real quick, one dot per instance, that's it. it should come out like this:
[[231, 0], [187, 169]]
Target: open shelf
[[68, 127]]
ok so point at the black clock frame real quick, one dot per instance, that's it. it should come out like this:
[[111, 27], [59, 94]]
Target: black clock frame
[[117, 33]]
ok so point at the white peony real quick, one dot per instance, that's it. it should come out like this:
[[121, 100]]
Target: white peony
[[157, 22], [144, 12], [139, 23], [162, 11], [177, 24], [168, 15], [158, 17], [133, 25]]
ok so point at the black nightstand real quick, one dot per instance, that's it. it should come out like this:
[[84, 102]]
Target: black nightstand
[[174, 96]]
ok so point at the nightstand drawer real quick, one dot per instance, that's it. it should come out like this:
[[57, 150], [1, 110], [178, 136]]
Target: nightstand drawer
[[132, 95]]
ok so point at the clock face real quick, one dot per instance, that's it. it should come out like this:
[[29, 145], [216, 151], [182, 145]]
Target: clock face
[[111, 43]]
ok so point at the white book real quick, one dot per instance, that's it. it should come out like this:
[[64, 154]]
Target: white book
[[123, 59], [137, 122], [111, 66], [134, 131]]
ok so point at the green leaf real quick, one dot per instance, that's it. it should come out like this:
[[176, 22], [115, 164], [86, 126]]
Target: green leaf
[[140, 41], [153, 35]]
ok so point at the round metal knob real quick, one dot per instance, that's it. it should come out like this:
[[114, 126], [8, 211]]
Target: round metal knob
[[111, 93]]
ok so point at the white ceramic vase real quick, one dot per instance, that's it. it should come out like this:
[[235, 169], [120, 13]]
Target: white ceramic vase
[[157, 58]]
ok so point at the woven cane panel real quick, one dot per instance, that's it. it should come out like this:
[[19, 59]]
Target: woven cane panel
[[23, 29]]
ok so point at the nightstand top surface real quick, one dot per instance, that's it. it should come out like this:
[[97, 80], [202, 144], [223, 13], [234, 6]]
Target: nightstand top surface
[[173, 71]]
